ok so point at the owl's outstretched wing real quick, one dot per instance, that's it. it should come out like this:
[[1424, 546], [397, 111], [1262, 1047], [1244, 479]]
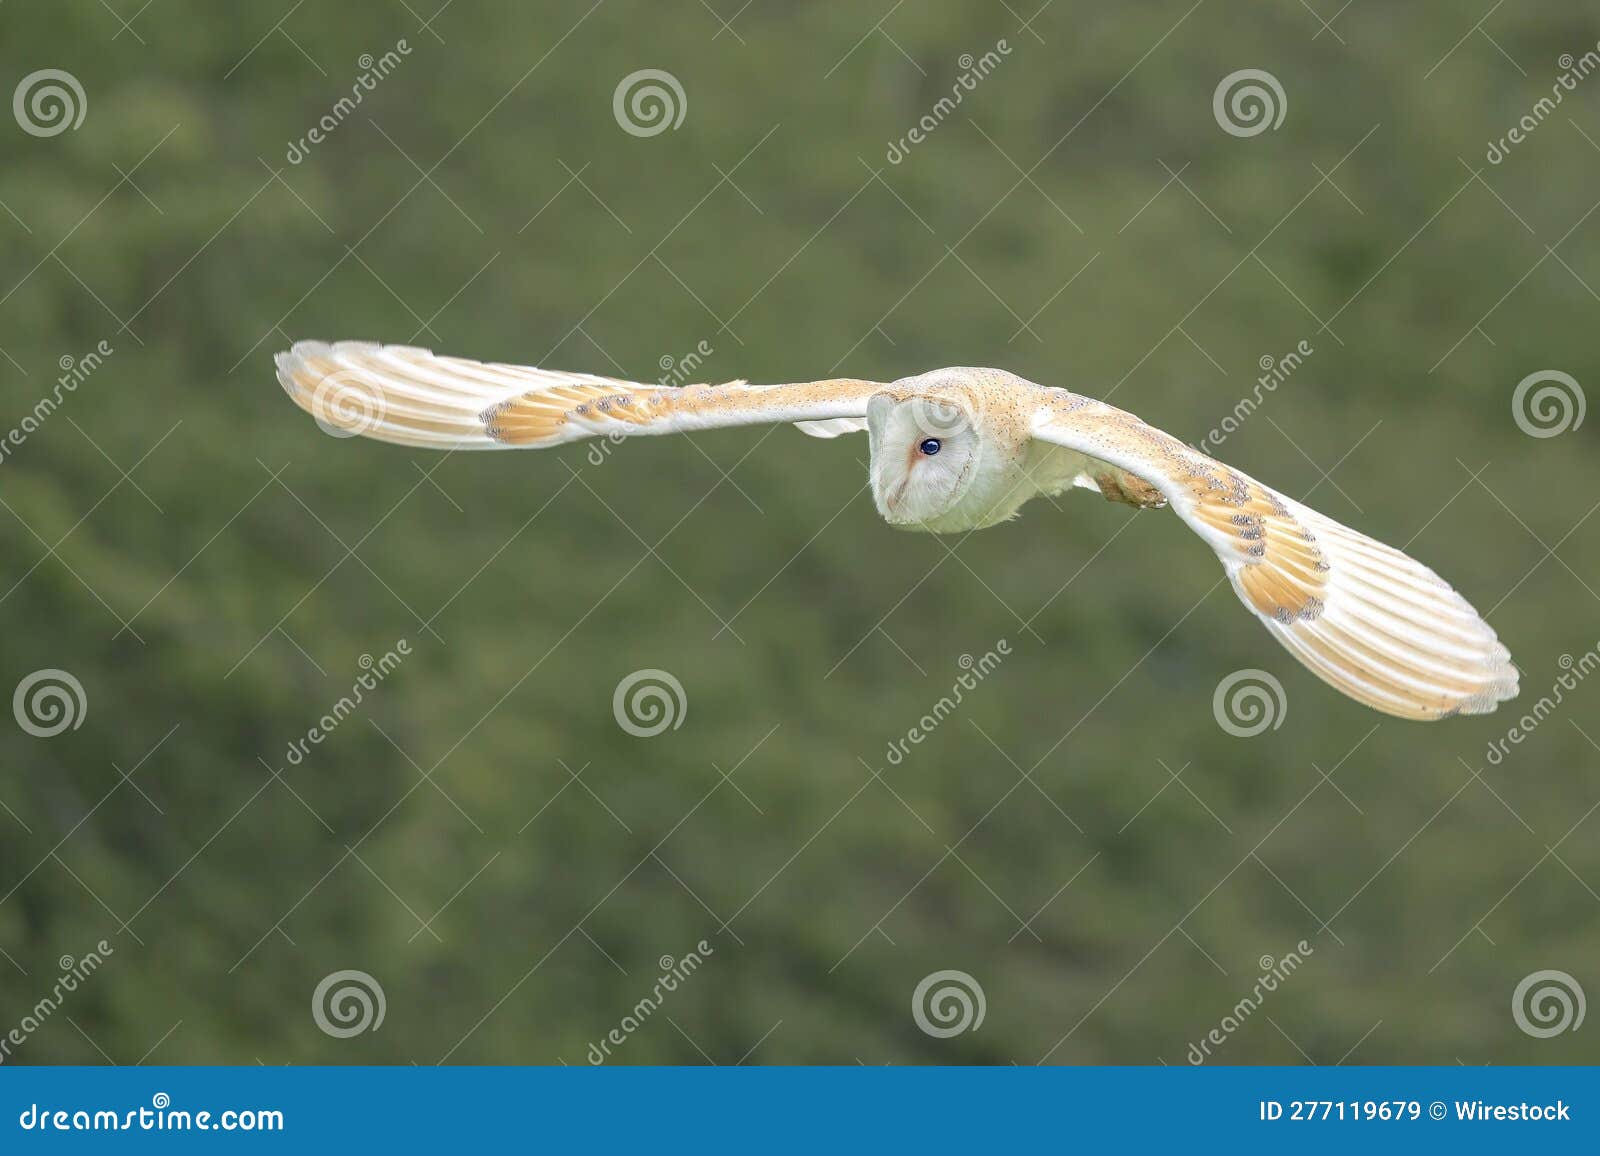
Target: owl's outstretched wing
[[412, 397], [1367, 619]]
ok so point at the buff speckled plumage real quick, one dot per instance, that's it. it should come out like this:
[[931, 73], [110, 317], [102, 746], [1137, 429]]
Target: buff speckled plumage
[[1366, 618]]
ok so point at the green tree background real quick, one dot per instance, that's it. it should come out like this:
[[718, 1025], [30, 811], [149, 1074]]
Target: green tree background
[[1081, 838]]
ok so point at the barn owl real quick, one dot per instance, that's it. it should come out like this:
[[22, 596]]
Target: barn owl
[[959, 449]]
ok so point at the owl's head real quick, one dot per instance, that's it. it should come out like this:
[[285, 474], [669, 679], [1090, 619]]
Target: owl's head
[[935, 460]]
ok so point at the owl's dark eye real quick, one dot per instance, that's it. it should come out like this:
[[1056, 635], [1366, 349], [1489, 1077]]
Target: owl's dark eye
[[928, 447]]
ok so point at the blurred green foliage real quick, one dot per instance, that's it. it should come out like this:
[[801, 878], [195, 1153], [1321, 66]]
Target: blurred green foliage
[[482, 837]]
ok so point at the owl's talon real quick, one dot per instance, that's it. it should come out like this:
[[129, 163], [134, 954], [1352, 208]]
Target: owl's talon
[[1121, 486]]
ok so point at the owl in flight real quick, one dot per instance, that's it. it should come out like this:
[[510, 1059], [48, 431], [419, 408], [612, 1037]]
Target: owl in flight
[[959, 449]]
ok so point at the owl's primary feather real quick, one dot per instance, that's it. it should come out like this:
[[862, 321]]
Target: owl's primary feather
[[1366, 618]]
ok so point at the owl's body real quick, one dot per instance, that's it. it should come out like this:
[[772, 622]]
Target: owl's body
[[959, 449]]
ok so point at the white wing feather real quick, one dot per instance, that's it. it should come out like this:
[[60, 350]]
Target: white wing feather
[[414, 397], [1366, 618]]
